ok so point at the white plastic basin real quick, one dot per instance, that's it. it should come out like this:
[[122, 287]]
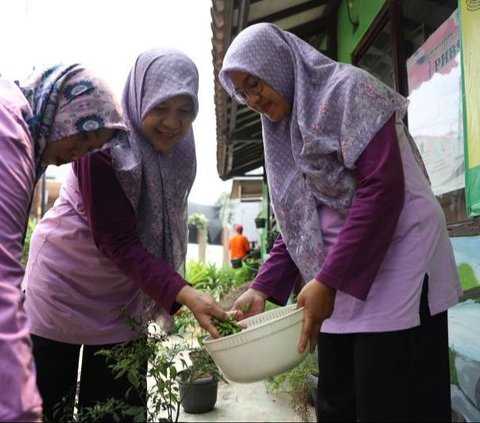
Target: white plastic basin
[[267, 347]]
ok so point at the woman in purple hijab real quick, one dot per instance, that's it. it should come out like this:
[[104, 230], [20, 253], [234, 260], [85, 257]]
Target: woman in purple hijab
[[120, 238], [358, 222], [58, 116]]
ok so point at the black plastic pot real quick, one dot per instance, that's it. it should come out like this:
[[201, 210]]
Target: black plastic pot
[[260, 222], [198, 396]]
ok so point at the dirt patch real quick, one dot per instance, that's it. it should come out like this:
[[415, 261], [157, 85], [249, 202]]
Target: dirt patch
[[227, 301]]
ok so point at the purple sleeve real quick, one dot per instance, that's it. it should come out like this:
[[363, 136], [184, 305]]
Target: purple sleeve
[[113, 223], [19, 399], [277, 275], [353, 262]]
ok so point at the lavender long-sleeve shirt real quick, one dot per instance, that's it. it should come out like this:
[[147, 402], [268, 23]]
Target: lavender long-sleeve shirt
[[86, 260], [376, 258], [113, 224], [19, 398]]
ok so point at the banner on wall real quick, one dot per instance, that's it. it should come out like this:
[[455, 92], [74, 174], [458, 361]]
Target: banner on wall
[[470, 35], [435, 110]]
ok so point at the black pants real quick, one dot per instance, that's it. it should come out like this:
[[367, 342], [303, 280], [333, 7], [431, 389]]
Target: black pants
[[388, 376], [57, 366]]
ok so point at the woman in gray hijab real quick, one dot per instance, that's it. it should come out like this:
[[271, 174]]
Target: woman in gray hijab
[[120, 238]]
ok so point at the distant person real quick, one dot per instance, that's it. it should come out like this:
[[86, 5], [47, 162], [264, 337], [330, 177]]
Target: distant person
[[56, 117], [239, 247]]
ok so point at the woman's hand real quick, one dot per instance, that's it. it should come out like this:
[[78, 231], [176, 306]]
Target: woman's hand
[[318, 300], [251, 302], [203, 307]]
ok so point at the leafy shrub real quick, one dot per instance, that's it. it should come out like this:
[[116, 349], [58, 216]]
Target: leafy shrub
[[215, 281], [161, 399], [199, 220], [26, 242], [295, 383]]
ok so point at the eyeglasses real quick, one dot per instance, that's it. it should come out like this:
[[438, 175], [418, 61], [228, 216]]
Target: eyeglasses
[[254, 86]]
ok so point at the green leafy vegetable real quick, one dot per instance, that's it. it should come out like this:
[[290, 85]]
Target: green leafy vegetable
[[226, 327]]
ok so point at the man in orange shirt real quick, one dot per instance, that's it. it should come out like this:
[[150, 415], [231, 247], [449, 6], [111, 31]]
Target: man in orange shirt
[[239, 247]]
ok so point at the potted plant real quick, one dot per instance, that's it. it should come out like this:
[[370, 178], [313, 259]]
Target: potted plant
[[260, 222], [198, 383]]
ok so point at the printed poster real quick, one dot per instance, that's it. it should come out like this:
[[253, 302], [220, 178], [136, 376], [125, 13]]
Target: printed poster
[[435, 111]]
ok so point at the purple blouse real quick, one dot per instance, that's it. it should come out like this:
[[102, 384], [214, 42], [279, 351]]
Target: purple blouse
[[377, 257], [113, 224], [19, 397], [354, 258], [86, 260]]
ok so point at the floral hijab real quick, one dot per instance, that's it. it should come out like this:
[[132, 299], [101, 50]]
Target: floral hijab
[[68, 100], [158, 184], [336, 109]]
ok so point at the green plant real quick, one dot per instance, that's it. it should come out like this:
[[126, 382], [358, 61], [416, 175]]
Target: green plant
[[162, 395], [294, 382], [217, 282], [110, 410], [26, 242], [453, 370], [467, 276], [199, 220], [149, 357], [201, 365]]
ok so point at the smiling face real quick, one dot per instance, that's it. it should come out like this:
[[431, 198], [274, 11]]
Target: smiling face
[[71, 148], [168, 122], [260, 96]]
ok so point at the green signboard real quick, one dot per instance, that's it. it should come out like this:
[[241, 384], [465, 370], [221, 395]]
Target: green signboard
[[470, 34]]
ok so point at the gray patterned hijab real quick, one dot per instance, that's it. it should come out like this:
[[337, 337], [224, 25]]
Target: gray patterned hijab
[[336, 109], [158, 184]]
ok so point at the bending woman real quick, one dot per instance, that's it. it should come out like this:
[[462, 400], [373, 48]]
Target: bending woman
[[55, 118]]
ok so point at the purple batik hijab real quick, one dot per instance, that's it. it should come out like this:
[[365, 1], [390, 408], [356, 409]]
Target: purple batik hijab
[[67, 100], [336, 109], [158, 184]]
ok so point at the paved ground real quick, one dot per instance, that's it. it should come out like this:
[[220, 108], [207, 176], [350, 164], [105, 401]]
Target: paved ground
[[245, 402], [250, 402]]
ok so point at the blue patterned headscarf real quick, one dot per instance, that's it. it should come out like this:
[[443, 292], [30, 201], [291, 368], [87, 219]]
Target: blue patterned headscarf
[[158, 184], [336, 109], [65, 101]]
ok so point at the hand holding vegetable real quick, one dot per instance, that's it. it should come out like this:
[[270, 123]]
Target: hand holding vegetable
[[250, 303]]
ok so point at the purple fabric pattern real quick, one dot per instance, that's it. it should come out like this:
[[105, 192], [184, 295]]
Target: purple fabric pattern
[[69, 100], [157, 184], [336, 109]]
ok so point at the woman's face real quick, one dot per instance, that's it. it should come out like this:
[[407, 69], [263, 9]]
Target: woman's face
[[259, 96], [168, 122], [71, 148]]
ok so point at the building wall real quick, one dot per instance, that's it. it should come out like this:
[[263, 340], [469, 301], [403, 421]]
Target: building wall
[[245, 213], [363, 10]]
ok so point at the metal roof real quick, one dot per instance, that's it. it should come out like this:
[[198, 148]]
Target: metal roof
[[239, 131]]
